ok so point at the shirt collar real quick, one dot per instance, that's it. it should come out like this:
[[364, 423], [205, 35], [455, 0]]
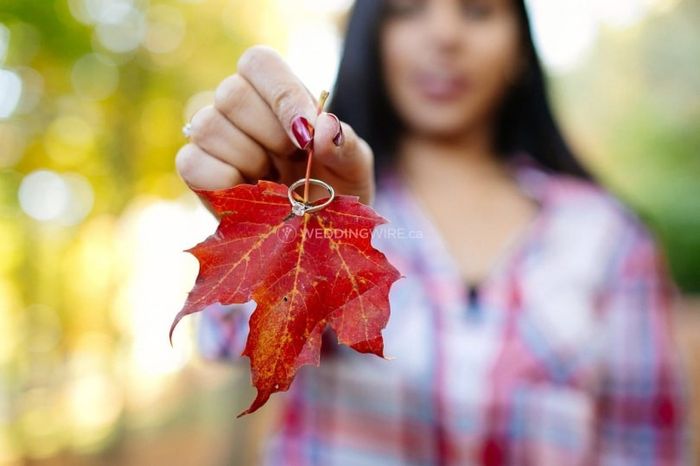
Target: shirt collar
[[397, 203]]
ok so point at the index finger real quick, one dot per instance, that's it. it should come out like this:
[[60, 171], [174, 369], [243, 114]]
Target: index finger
[[282, 90]]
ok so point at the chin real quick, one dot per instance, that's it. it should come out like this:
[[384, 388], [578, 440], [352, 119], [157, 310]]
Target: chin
[[442, 126]]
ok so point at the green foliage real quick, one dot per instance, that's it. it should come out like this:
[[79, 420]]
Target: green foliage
[[634, 109]]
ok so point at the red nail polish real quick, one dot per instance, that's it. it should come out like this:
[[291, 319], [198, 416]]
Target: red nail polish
[[339, 137], [303, 131]]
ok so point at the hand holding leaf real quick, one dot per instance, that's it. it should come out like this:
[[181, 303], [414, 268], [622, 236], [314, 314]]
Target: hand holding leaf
[[306, 270]]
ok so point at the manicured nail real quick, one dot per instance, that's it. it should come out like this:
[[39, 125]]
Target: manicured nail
[[339, 137], [303, 131]]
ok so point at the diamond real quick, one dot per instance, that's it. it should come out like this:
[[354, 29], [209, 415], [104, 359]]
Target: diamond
[[298, 209]]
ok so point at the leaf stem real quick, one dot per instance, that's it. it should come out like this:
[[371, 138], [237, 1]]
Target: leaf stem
[[321, 103]]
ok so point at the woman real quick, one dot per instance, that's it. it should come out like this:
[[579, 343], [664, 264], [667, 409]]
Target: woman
[[533, 323]]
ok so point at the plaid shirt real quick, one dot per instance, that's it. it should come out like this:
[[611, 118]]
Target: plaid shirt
[[562, 356]]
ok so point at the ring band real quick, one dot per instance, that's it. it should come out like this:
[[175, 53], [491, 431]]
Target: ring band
[[187, 130], [300, 208]]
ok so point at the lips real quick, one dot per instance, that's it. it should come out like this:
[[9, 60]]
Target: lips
[[441, 86]]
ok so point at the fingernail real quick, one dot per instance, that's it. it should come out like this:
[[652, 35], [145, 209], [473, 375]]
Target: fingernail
[[303, 131], [339, 137]]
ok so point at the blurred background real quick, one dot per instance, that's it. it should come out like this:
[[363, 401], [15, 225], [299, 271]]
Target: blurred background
[[94, 219]]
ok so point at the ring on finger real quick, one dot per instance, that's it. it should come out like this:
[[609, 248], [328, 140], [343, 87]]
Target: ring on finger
[[187, 130]]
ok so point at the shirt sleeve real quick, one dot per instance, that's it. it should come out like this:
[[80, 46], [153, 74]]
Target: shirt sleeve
[[223, 330], [642, 404]]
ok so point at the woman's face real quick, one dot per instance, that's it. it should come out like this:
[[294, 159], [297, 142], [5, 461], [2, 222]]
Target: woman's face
[[448, 63]]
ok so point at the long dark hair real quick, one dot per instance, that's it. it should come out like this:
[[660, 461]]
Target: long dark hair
[[525, 122]]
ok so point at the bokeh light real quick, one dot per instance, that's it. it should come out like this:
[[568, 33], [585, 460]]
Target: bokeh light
[[166, 29], [13, 144], [46, 195], [95, 76], [10, 92], [121, 27], [565, 30]]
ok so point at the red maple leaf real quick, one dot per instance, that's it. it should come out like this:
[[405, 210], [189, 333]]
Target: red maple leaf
[[304, 273]]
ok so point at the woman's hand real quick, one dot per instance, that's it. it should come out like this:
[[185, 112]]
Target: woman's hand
[[255, 129]]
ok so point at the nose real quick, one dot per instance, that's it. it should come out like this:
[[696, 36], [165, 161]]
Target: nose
[[444, 23]]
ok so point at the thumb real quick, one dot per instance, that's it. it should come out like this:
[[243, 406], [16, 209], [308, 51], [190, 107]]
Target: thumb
[[341, 151]]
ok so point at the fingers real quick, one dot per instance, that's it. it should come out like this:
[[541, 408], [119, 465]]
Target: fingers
[[341, 151], [201, 170], [282, 91], [262, 119], [216, 136], [239, 102]]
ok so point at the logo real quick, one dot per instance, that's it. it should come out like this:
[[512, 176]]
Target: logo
[[286, 234]]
